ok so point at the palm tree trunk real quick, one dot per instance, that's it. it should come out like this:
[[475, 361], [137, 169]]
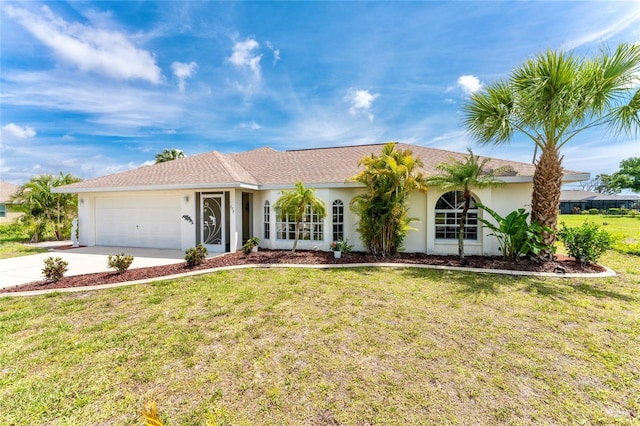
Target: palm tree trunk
[[545, 201], [463, 223], [295, 240]]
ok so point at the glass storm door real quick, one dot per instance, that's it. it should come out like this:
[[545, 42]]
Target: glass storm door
[[212, 226]]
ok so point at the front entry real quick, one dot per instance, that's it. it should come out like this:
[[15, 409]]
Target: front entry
[[212, 232]]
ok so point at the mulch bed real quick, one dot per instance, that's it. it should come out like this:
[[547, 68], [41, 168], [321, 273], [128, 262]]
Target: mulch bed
[[263, 257]]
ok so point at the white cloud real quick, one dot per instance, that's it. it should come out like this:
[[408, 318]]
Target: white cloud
[[251, 125], [469, 84], [104, 51], [276, 52], [247, 62], [183, 71], [17, 132], [361, 102]]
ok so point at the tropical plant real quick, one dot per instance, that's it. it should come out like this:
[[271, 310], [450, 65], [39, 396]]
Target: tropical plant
[[54, 268], [551, 99], [383, 207], [250, 244], [586, 242], [516, 237], [195, 255], [465, 176], [169, 155], [341, 246], [119, 262], [296, 203], [43, 208]]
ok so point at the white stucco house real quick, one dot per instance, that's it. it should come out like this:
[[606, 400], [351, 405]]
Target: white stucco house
[[8, 212], [221, 200]]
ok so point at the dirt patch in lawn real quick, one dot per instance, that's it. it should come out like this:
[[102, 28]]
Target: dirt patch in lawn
[[561, 264]]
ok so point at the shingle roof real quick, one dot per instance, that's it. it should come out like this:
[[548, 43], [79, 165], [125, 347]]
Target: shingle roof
[[267, 167], [7, 189]]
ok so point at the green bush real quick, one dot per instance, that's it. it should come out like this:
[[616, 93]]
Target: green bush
[[632, 213], [119, 262], [586, 242], [613, 211], [196, 255], [54, 268], [594, 211], [516, 237], [585, 212], [14, 232], [250, 244]]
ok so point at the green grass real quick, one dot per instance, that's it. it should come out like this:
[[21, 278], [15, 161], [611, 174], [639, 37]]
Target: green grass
[[352, 346], [11, 237], [624, 229]]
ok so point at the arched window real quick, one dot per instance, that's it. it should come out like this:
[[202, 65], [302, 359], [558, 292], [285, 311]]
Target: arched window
[[338, 220], [448, 213], [267, 223]]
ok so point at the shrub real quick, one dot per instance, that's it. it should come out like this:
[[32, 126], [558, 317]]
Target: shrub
[[54, 268], [120, 262], [632, 213], [196, 255], [516, 237], [586, 242], [585, 212], [594, 211], [613, 211], [250, 244], [342, 246]]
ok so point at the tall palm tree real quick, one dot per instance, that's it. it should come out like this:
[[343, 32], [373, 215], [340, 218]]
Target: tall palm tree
[[295, 204], [551, 99], [169, 155], [465, 176], [383, 208]]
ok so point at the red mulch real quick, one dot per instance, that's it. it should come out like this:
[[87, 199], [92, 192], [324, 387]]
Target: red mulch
[[264, 256]]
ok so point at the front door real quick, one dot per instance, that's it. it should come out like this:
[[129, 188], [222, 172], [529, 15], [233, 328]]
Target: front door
[[212, 232]]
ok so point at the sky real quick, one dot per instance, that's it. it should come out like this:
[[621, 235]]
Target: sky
[[94, 88]]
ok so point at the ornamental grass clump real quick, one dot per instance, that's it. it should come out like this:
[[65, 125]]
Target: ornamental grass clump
[[196, 255], [120, 262], [586, 243]]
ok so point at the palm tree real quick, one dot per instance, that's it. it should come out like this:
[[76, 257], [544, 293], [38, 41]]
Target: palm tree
[[551, 99], [295, 204], [383, 208], [169, 155], [465, 176], [42, 207]]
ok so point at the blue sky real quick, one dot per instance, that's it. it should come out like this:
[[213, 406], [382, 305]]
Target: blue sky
[[93, 88]]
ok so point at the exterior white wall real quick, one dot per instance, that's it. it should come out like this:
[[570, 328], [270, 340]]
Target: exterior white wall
[[11, 215], [503, 200]]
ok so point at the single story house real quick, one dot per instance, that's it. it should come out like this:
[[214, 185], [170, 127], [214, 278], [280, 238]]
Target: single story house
[[575, 201], [221, 200], [8, 213]]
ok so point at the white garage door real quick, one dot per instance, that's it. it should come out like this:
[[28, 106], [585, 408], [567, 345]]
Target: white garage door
[[143, 221]]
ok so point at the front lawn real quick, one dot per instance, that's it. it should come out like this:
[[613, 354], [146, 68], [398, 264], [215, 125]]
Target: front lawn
[[352, 346]]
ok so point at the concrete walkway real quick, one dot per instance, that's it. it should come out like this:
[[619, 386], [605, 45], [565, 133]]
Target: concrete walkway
[[83, 260]]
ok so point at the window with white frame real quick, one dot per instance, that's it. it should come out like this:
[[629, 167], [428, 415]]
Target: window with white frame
[[338, 220], [267, 223], [448, 214], [311, 227]]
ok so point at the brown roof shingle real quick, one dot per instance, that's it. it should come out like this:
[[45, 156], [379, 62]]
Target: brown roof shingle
[[266, 167], [6, 190]]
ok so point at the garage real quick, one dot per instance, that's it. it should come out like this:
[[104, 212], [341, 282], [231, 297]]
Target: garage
[[143, 221]]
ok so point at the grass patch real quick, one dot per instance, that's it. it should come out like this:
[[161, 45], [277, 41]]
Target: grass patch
[[624, 229], [8, 250], [352, 346]]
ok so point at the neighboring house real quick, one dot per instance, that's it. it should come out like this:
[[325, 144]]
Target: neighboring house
[[574, 201], [8, 213], [221, 200]]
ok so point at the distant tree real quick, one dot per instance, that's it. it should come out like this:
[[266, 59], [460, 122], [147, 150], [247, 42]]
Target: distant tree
[[550, 99], [383, 207], [602, 184], [629, 174], [169, 155], [465, 176], [296, 203], [44, 208]]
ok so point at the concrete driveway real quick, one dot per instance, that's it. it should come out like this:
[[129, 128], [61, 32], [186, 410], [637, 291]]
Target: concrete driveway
[[82, 260]]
